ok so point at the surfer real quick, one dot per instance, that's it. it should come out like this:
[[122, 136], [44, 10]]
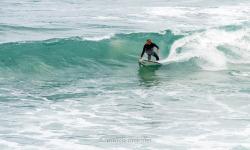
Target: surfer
[[149, 49]]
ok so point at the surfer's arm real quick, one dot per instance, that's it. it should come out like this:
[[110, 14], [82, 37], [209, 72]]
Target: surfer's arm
[[156, 46], [143, 51], [158, 49]]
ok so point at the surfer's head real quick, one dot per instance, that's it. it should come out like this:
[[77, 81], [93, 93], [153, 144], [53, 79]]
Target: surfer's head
[[149, 41]]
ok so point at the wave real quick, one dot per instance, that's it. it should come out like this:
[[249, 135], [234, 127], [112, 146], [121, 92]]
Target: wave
[[4, 27], [31, 56], [209, 49]]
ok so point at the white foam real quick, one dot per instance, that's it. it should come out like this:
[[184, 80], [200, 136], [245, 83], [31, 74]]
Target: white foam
[[108, 18], [99, 38], [205, 46], [166, 11], [67, 145]]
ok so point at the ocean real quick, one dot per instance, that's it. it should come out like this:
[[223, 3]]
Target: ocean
[[70, 79]]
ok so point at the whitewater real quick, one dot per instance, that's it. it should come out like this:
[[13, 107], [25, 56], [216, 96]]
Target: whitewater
[[70, 79]]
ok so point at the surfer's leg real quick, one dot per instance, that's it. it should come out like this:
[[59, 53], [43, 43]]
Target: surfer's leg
[[156, 56], [149, 57], [149, 52]]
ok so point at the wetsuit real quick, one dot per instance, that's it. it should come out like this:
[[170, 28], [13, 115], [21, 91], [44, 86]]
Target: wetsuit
[[149, 49]]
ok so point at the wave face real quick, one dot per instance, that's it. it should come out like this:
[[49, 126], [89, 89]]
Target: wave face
[[60, 53]]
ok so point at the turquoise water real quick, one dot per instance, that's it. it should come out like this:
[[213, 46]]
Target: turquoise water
[[70, 79]]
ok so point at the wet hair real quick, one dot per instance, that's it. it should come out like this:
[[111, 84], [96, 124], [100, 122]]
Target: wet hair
[[149, 40]]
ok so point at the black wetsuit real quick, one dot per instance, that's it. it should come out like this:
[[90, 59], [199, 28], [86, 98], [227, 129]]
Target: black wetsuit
[[149, 49]]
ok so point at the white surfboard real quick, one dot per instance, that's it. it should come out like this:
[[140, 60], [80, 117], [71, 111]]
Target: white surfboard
[[149, 63]]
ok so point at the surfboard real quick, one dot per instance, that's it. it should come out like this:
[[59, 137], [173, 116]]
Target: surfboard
[[148, 63]]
